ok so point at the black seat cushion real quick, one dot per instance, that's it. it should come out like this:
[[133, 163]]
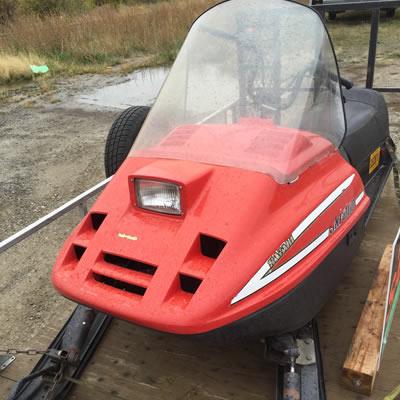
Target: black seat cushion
[[367, 123]]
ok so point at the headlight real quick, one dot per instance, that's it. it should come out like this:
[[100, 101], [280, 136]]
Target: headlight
[[163, 197]]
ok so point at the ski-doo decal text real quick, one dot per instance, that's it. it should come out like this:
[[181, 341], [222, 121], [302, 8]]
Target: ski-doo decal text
[[282, 250], [265, 275], [343, 215]]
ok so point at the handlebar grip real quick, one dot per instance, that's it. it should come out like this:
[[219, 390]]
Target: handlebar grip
[[347, 83]]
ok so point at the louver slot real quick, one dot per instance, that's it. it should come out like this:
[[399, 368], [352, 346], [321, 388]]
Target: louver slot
[[189, 284], [210, 246], [79, 250], [97, 220], [127, 263], [126, 287]]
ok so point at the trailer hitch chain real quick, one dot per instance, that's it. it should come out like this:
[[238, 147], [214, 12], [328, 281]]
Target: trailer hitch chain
[[65, 359], [60, 361]]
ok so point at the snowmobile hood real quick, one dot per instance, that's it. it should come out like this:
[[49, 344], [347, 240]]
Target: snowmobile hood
[[229, 254]]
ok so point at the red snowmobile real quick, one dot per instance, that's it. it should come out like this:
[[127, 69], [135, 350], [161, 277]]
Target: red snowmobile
[[237, 208]]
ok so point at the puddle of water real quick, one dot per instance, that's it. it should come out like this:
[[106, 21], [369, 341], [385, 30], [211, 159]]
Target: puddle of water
[[138, 89]]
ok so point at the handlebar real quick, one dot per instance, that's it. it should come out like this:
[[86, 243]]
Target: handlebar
[[347, 83]]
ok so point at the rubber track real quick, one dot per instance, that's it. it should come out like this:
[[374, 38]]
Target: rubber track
[[122, 134]]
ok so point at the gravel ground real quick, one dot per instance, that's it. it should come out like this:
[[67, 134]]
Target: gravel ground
[[48, 155]]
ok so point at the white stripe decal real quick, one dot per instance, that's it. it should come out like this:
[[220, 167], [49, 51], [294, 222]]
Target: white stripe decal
[[322, 207], [359, 198], [263, 277], [247, 291]]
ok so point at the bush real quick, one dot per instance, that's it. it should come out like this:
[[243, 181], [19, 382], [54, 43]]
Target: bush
[[7, 10], [117, 2], [113, 2], [51, 7]]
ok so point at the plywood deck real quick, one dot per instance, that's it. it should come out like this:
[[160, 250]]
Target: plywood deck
[[132, 362]]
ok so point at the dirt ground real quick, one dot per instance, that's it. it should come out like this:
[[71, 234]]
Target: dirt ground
[[51, 149], [48, 155]]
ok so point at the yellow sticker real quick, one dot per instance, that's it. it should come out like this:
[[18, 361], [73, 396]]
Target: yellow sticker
[[123, 236], [374, 159]]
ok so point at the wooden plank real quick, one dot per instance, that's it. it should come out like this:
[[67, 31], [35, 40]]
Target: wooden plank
[[154, 365], [5, 387], [362, 361]]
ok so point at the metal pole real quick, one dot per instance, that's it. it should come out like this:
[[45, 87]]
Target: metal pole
[[372, 47], [42, 222], [83, 208]]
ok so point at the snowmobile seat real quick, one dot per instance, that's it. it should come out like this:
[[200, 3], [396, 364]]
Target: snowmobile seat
[[367, 123]]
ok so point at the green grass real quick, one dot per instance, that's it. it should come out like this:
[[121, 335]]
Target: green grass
[[350, 34]]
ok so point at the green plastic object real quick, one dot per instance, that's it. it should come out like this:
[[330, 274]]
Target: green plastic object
[[39, 69], [393, 395]]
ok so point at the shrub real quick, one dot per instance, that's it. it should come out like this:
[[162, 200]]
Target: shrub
[[48, 7], [102, 2], [7, 10]]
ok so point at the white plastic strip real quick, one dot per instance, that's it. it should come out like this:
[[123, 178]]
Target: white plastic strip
[[359, 198]]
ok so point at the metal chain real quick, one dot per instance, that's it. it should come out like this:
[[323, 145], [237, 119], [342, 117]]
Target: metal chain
[[29, 352], [60, 374], [57, 378]]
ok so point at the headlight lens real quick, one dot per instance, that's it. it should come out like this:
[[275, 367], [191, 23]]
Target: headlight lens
[[163, 197]]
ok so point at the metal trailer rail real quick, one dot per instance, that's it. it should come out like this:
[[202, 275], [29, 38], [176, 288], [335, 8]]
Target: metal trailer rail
[[79, 201], [376, 6]]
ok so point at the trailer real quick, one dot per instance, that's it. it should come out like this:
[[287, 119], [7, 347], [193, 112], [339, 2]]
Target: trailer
[[95, 356], [134, 362]]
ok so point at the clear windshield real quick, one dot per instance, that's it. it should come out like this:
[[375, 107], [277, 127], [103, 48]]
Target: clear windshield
[[254, 86]]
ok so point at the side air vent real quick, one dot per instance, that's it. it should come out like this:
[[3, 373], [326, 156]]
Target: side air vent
[[79, 250], [127, 263], [189, 284], [210, 246], [72, 257], [97, 220], [126, 287], [91, 224]]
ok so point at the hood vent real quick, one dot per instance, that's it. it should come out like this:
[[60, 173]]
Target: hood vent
[[210, 246], [126, 287], [79, 250], [97, 220], [189, 284], [127, 263], [122, 273]]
